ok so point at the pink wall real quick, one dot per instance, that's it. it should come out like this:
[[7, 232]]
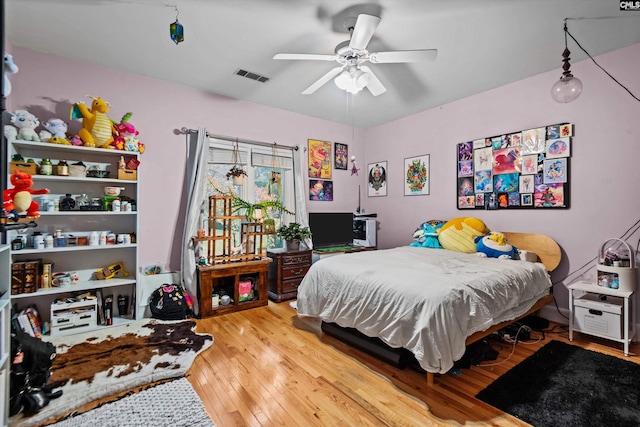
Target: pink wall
[[47, 85], [604, 171]]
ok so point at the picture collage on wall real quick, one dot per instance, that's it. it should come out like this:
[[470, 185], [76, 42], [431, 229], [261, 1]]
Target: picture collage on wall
[[321, 162], [527, 169]]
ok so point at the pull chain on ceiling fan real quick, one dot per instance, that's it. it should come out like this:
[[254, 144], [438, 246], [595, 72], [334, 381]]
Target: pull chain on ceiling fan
[[351, 75]]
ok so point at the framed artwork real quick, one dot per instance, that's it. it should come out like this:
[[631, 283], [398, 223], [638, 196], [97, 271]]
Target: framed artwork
[[320, 190], [319, 159], [416, 174], [340, 156], [528, 169], [377, 179], [558, 147]]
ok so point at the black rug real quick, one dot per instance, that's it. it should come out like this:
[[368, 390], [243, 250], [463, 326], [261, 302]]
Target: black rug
[[565, 385]]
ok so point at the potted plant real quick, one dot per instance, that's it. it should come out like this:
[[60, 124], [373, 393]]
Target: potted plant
[[238, 175], [293, 233]]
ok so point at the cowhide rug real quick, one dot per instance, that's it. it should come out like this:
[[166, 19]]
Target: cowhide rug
[[99, 364]]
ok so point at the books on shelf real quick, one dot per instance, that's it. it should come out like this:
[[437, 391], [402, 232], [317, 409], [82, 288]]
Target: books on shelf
[[29, 321]]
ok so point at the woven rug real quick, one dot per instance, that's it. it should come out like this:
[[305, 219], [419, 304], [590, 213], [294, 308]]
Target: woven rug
[[565, 385], [174, 404], [108, 361]]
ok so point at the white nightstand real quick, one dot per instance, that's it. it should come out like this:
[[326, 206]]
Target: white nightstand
[[609, 318]]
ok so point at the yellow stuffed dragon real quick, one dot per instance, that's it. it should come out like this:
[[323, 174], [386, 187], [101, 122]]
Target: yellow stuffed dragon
[[97, 129]]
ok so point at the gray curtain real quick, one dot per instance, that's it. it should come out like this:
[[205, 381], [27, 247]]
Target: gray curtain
[[300, 191], [197, 154]]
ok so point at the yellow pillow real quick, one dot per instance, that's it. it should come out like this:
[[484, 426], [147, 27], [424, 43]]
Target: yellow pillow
[[458, 234]]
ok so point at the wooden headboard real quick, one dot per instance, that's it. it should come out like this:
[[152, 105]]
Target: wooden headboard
[[545, 247]]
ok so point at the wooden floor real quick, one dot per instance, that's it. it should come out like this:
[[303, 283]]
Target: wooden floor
[[267, 367]]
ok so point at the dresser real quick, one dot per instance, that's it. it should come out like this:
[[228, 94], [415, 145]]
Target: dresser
[[286, 272]]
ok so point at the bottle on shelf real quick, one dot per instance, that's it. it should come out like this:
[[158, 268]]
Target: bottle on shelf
[[46, 167], [62, 168]]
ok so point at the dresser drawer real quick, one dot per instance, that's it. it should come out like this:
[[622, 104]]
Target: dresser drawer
[[288, 260], [291, 285], [294, 271]]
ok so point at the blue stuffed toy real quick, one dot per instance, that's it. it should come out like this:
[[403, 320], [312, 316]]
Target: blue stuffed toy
[[426, 236], [494, 245]]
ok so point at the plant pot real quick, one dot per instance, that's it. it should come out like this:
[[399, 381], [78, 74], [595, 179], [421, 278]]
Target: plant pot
[[238, 180], [293, 245]]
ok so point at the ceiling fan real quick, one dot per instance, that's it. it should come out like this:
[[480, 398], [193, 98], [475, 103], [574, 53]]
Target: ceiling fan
[[351, 75]]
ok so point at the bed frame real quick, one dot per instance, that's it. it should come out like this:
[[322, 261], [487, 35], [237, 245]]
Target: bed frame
[[548, 253]]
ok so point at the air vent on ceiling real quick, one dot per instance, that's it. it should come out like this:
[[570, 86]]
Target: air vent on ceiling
[[252, 76]]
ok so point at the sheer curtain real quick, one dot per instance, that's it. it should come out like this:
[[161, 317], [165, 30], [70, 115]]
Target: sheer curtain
[[197, 155], [300, 192]]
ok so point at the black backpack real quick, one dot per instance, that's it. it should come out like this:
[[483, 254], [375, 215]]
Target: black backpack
[[168, 302]]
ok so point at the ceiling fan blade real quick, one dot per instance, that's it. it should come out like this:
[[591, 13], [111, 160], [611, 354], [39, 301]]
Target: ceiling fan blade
[[403, 56], [322, 80], [363, 31], [306, 56], [375, 86]]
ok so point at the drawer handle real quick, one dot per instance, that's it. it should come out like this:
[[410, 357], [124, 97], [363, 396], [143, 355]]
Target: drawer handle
[[595, 312], [297, 271]]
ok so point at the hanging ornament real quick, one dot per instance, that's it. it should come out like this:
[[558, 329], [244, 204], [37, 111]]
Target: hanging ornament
[[176, 30], [354, 169]]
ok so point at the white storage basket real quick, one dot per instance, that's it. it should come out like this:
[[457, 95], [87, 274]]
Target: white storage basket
[[621, 274]]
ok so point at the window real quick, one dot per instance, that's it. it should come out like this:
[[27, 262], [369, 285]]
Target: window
[[269, 176]]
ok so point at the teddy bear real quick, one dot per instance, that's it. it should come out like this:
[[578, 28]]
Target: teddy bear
[[426, 236], [26, 123], [19, 198], [495, 245]]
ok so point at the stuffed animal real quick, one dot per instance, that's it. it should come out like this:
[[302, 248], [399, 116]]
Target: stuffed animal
[[26, 123], [19, 197], [97, 129], [495, 245], [426, 235], [9, 67], [10, 132], [127, 133], [57, 128], [459, 234]]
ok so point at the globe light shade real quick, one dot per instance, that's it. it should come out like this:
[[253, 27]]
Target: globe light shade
[[567, 89], [343, 80]]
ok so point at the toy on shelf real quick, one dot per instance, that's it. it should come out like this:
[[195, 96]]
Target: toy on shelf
[[57, 129], [127, 133], [97, 129], [19, 198], [110, 271], [25, 123], [9, 67]]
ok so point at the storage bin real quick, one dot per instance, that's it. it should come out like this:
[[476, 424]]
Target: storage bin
[[127, 174], [601, 317], [26, 167], [624, 275], [74, 317]]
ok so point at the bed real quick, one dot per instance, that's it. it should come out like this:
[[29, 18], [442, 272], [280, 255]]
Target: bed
[[431, 302]]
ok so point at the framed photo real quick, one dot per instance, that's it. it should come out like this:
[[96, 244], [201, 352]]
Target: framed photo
[[527, 184], [465, 151], [483, 159], [483, 182], [550, 196], [320, 191], [533, 141], [377, 179], [554, 171], [340, 156], [465, 168], [416, 174], [319, 159], [529, 164], [526, 199], [559, 147], [506, 160], [468, 202]]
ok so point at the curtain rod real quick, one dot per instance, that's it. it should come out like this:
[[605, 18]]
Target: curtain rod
[[245, 141]]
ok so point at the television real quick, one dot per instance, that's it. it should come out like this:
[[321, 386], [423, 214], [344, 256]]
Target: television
[[331, 229]]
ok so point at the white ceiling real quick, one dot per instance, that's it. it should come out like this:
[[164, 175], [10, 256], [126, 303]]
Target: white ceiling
[[482, 44]]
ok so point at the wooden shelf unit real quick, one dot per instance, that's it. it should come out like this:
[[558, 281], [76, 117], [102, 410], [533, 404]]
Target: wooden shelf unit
[[225, 278]]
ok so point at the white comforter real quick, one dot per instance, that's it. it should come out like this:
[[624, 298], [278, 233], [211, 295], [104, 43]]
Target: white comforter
[[425, 300]]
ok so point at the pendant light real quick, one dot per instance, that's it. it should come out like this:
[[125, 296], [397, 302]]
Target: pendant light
[[568, 88]]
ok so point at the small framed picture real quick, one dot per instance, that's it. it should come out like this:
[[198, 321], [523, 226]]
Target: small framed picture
[[416, 174], [340, 156], [320, 190], [377, 179], [554, 171], [526, 199], [558, 147]]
